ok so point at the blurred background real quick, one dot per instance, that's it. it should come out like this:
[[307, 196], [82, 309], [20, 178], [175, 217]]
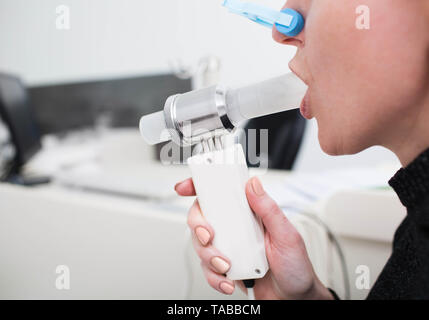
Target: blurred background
[[82, 190]]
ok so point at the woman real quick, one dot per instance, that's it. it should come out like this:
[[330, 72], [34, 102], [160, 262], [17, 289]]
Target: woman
[[366, 87]]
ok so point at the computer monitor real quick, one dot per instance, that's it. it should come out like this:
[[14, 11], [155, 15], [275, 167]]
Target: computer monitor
[[63, 107], [17, 115]]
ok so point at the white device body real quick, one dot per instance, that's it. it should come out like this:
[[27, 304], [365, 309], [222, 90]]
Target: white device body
[[220, 178], [220, 174]]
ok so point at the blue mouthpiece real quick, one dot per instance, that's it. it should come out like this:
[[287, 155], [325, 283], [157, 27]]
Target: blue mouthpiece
[[288, 21]]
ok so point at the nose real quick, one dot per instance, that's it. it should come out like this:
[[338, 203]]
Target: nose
[[281, 38]]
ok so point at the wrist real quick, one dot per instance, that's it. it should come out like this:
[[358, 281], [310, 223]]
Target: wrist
[[319, 292], [316, 291]]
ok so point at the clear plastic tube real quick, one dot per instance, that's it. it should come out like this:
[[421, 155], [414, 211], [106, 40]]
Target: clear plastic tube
[[271, 96]]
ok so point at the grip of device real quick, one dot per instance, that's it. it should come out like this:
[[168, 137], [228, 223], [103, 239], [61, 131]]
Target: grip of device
[[219, 179]]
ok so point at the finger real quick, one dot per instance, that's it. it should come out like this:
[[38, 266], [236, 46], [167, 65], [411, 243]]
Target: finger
[[276, 224], [217, 281], [199, 226], [212, 257], [202, 235], [185, 188]]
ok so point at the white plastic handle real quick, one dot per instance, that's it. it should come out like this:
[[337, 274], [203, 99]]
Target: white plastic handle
[[219, 179]]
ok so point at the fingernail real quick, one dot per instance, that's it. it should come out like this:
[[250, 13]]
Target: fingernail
[[177, 185], [203, 235], [226, 288], [220, 265], [257, 187]]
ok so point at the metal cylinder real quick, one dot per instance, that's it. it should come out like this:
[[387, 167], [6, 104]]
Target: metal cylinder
[[197, 115]]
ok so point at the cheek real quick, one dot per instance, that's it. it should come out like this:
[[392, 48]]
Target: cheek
[[361, 79]]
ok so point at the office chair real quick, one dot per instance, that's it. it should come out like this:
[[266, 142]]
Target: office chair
[[285, 134], [20, 135]]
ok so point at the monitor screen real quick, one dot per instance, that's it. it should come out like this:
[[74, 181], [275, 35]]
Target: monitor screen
[[63, 107]]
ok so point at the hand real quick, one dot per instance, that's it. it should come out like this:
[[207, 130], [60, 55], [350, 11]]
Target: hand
[[291, 275]]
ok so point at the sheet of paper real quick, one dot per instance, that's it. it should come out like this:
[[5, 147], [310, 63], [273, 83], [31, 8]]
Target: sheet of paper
[[300, 190]]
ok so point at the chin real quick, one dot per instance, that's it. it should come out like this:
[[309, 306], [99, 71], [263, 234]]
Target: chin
[[330, 149], [335, 145]]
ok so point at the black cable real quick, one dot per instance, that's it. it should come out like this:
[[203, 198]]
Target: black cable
[[250, 283]]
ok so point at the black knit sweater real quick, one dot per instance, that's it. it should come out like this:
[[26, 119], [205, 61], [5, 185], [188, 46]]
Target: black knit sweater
[[406, 274]]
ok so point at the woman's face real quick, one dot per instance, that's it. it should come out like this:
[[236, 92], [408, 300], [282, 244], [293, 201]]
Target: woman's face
[[366, 87]]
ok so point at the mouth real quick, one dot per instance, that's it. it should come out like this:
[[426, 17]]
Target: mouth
[[305, 103], [305, 107]]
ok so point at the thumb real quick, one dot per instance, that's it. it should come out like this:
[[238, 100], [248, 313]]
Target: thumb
[[276, 224]]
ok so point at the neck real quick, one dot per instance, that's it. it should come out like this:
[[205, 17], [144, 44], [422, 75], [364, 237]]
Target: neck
[[412, 137], [408, 153]]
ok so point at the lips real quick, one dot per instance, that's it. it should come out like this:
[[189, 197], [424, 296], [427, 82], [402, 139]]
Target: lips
[[305, 103], [305, 107]]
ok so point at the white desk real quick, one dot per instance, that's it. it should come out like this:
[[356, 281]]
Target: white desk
[[115, 247], [118, 247]]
